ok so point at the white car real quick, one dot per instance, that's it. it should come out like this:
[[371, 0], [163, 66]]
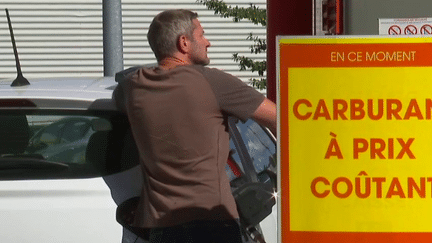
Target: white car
[[67, 161]]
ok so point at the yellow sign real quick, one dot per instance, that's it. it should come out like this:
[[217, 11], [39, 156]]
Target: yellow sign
[[355, 139]]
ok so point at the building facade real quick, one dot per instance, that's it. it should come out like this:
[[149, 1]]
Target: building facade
[[57, 38]]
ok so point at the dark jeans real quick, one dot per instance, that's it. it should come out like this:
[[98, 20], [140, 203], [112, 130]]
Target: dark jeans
[[203, 231]]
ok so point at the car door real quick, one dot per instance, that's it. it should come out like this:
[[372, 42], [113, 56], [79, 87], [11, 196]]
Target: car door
[[48, 198], [255, 186]]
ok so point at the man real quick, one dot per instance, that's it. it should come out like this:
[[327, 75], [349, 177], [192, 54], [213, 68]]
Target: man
[[178, 114]]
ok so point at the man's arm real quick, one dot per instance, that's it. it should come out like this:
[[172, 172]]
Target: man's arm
[[266, 115]]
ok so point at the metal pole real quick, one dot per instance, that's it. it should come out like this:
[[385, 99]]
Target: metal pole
[[112, 37]]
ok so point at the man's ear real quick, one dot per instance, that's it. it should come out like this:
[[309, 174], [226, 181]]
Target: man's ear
[[183, 44]]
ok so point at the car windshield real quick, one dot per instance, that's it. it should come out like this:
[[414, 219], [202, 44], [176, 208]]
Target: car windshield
[[260, 147], [259, 144]]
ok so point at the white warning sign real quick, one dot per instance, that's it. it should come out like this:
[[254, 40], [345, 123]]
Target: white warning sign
[[405, 26]]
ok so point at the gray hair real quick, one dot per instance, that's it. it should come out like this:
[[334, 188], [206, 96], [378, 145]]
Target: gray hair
[[166, 28]]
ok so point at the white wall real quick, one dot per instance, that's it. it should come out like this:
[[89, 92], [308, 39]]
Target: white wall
[[64, 37], [361, 16]]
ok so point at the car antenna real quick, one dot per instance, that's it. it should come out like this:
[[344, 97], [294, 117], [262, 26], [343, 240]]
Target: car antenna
[[20, 80]]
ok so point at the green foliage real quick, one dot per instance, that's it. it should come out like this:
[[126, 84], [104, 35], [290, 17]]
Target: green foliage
[[258, 17], [252, 13], [259, 44]]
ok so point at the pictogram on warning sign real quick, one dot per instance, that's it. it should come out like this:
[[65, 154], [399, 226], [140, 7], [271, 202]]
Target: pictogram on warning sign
[[426, 29], [410, 30], [394, 30], [405, 26]]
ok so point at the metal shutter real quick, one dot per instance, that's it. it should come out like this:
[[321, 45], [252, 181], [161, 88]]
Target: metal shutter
[[64, 38]]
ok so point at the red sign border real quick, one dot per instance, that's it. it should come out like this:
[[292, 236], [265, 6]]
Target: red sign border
[[299, 55]]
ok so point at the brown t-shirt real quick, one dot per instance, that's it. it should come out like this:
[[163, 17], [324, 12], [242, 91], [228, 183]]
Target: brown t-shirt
[[178, 118]]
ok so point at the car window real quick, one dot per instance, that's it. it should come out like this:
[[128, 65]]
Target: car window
[[260, 147], [64, 144], [50, 133], [76, 130]]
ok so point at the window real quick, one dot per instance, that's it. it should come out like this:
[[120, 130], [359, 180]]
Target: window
[[260, 148], [60, 144]]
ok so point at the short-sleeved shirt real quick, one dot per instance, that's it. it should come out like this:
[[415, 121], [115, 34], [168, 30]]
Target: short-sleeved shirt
[[179, 122]]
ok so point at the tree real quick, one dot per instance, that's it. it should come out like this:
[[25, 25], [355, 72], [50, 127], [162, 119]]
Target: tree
[[256, 16]]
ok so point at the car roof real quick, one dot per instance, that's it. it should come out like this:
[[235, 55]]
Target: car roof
[[62, 93]]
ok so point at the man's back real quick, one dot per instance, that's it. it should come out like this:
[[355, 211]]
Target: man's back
[[178, 124]]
